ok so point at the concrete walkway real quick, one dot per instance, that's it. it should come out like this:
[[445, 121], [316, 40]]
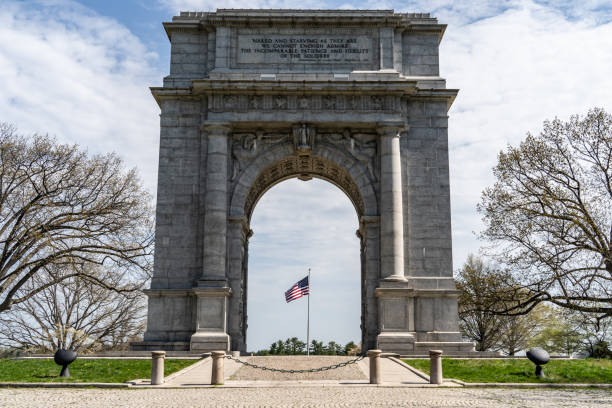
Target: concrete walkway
[[394, 373]]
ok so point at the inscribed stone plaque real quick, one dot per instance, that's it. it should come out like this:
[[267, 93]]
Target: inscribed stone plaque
[[394, 314], [304, 49], [210, 313]]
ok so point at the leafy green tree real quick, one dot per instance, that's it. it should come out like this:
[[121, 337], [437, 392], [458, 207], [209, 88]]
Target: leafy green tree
[[601, 349], [349, 348], [273, 348], [280, 347], [518, 330], [334, 349], [595, 330], [294, 346], [560, 334], [549, 215], [479, 284], [316, 347], [559, 338]]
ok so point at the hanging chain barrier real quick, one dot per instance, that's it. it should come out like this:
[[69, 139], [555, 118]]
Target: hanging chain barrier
[[310, 370]]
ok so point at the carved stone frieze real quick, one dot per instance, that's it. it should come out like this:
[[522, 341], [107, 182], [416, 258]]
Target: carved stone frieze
[[246, 146], [255, 102], [362, 146], [314, 102]]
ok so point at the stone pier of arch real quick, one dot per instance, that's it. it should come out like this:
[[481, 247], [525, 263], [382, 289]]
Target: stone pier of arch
[[371, 118]]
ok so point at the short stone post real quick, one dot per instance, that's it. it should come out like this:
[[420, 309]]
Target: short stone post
[[157, 367], [375, 374], [217, 367], [435, 366]]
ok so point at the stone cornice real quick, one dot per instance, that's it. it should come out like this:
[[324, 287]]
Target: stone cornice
[[416, 22], [168, 292], [213, 291], [160, 93], [447, 95], [410, 292], [180, 28], [217, 127], [429, 29], [210, 87]]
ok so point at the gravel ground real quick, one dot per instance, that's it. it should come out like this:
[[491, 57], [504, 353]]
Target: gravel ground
[[349, 372], [305, 397]]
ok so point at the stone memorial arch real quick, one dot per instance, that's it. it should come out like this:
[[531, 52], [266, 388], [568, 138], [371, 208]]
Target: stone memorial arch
[[255, 97]]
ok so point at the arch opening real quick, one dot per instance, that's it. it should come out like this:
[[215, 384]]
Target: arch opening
[[300, 225], [269, 167]]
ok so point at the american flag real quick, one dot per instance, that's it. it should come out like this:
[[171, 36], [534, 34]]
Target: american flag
[[297, 291]]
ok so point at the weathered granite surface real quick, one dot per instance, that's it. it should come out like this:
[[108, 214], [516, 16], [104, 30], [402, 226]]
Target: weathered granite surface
[[258, 96]]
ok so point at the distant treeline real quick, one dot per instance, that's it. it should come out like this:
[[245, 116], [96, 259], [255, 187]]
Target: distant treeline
[[295, 346]]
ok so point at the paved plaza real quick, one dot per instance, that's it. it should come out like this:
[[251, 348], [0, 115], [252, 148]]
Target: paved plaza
[[304, 397], [345, 387], [237, 375]]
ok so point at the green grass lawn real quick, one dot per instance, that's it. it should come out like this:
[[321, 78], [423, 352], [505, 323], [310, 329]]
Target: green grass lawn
[[522, 370], [102, 370]]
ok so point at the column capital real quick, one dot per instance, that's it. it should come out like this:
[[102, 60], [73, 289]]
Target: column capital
[[244, 224], [217, 127], [369, 219], [391, 129]]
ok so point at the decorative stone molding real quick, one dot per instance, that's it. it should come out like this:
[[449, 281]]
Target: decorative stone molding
[[246, 146], [304, 165], [303, 139], [293, 102], [362, 146], [247, 232]]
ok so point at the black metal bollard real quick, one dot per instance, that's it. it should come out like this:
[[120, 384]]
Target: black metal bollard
[[64, 358], [539, 357]]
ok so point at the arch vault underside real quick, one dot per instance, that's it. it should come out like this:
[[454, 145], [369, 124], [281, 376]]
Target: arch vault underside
[[233, 125]]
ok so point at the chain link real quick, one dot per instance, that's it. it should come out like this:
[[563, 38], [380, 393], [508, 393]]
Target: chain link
[[311, 370]]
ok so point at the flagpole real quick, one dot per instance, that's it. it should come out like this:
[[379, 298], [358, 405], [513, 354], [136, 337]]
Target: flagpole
[[308, 319]]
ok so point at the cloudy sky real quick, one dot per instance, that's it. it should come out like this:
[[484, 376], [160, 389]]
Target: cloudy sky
[[80, 70]]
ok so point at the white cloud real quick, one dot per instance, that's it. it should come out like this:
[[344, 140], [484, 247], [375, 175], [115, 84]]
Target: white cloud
[[514, 70], [69, 72], [211, 5]]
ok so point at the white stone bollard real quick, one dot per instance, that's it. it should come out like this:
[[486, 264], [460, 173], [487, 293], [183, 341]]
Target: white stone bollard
[[375, 374], [157, 367], [435, 366], [217, 367]]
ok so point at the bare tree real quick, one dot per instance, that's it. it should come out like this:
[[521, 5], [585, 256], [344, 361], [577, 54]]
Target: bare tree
[[62, 211], [75, 313], [549, 215], [478, 303], [594, 330], [518, 330], [562, 332]]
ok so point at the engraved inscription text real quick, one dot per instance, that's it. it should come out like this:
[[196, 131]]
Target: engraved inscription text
[[305, 49]]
